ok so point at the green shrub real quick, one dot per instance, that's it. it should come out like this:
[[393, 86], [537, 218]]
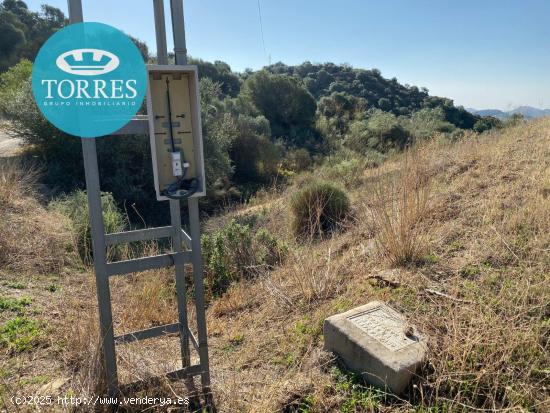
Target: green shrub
[[427, 123], [284, 102], [318, 209], [348, 171], [10, 83], [75, 207], [14, 304], [382, 131], [255, 158], [234, 252], [19, 334], [268, 249], [298, 160], [16, 285]]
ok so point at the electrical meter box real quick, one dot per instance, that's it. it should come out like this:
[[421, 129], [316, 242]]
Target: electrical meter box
[[173, 109]]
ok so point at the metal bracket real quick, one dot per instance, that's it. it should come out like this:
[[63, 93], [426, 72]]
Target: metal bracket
[[139, 125]]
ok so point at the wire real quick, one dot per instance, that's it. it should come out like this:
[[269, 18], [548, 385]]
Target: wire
[[262, 32], [170, 115]]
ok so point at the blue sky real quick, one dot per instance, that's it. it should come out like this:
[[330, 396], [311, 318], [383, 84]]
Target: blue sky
[[481, 53]]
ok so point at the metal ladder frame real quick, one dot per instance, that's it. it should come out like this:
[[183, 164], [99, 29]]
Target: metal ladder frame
[[177, 258]]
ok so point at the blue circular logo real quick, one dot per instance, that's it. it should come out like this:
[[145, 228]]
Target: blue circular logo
[[89, 79]]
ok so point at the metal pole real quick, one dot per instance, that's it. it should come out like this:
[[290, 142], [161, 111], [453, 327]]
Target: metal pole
[[180, 50], [160, 30], [98, 228], [177, 246], [194, 224], [75, 12], [178, 31], [98, 241], [175, 214]]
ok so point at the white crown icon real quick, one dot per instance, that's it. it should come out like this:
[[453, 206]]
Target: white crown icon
[[87, 62]]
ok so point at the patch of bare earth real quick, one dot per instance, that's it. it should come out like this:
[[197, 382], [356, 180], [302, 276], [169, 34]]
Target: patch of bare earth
[[9, 144]]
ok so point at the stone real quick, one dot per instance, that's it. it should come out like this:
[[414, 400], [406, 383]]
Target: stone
[[53, 387], [377, 342]]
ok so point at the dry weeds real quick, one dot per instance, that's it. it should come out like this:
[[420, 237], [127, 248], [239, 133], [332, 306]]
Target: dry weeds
[[400, 205], [31, 238]]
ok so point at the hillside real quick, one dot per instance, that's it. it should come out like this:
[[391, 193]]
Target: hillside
[[528, 112], [497, 113], [486, 254], [479, 290], [367, 89]]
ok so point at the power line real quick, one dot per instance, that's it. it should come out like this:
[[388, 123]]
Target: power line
[[262, 32]]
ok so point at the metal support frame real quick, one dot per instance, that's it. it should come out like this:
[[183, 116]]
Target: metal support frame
[[177, 258]]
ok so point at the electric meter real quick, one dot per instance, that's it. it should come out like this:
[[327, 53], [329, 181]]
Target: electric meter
[[173, 109]]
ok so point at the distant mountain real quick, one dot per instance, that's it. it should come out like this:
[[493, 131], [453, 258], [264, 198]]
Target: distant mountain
[[490, 112], [528, 112]]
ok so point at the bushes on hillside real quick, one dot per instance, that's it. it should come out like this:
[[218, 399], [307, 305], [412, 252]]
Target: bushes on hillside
[[349, 171], [288, 106], [219, 131], [75, 207], [426, 123], [298, 160], [487, 123], [373, 89], [24, 31], [382, 131], [253, 135], [318, 209], [10, 82], [235, 252], [255, 157], [219, 72]]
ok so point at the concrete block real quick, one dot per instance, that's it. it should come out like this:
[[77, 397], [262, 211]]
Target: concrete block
[[376, 341]]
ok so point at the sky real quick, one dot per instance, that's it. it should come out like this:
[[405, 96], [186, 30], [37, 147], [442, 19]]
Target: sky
[[480, 53]]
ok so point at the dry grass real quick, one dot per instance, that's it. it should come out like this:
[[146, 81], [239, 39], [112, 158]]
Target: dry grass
[[400, 205], [484, 220], [310, 276], [479, 214], [71, 337], [31, 238]]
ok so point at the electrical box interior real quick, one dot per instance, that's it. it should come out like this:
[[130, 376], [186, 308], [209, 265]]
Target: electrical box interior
[[173, 110]]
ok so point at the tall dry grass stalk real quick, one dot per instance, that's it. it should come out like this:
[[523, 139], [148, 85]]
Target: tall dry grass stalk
[[400, 204], [16, 181], [83, 350]]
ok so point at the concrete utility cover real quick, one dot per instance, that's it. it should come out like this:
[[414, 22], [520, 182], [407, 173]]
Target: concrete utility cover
[[385, 325], [377, 342]]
